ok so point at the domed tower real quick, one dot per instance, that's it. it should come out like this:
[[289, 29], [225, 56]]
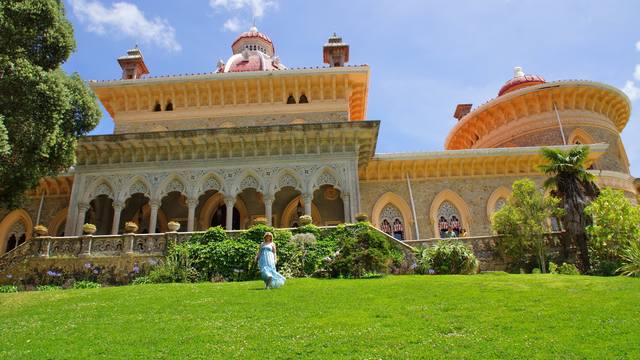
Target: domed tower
[[252, 51], [335, 52], [529, 111]]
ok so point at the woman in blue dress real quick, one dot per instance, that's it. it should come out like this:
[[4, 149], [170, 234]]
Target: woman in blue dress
[[266, 258]]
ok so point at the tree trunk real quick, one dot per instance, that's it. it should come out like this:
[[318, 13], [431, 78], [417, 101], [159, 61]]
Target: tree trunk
[[575, 220]]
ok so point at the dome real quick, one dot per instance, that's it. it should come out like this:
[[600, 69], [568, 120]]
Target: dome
[[253, 40], [252, 51], [519, 81]]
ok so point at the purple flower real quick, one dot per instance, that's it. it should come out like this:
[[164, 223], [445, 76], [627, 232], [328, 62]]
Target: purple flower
[[53, 273], [136, 268], [96, 271], [87, 265], [432, 272], [9, 276]]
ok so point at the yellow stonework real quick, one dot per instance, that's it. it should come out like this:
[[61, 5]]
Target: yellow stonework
[[255, 141]]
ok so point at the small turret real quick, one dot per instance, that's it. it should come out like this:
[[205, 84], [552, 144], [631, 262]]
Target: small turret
[[132, 64], [335, 52]]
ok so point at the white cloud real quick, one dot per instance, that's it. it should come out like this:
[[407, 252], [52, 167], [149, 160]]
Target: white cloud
[[232, 24], [636, 74], [632, 90], [638, 46], [255, 8], [125, 18]]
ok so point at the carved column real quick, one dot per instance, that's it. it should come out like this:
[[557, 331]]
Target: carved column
[[153, 216], [191, 203], [347, 207], [306, 200], [268, 208], [229, 201], [117, 210], [82, 210]]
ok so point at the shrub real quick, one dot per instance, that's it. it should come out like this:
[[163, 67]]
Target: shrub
[[361, 250], [564, 269], [212, 235], [48, 287], [523, 224], [231, 259], [616, 224], [8, 289], [305, 220], [83, 284], [536, 271], [448, 257], [631, 259], [177, 267]]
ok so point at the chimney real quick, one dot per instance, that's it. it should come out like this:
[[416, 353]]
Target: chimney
[[335, 52], [132, 64], [462, 110]]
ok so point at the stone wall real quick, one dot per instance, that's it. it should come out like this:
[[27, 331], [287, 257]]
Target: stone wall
[[474, 191], [611, 160], [231, 121]]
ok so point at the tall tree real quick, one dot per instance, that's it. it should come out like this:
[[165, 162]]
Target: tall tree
[[574, 185], [43, 110]]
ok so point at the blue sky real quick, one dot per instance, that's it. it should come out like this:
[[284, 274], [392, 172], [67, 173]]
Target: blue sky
[[425, 56]]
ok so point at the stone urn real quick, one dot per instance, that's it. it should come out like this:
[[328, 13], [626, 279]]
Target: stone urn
[[362, 217], [130, 227], [261, 220], [40, 230], [305, 220], [89, 229], [173, 226]]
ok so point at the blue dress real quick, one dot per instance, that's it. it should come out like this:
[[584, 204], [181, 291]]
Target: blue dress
[[267, 266]]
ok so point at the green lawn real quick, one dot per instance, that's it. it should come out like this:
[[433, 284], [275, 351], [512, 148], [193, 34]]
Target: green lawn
[[483, 316]]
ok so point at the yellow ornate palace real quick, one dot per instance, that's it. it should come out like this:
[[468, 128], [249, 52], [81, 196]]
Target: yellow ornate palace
[[257, 141]]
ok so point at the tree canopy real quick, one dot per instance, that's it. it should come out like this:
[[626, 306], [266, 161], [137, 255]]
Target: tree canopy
[[524, 222], [43, 110]]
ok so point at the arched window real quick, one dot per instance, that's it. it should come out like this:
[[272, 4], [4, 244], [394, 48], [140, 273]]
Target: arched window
[[303, 99], [16, 236], [391, 222], [500, 203], [449, 218], [169, 106], [291, 100], [157, 106]]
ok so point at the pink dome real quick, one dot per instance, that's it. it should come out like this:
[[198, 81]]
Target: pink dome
[[519, 81]]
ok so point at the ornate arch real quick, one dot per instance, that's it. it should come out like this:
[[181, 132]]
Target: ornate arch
[[400, 204], [100, 186], [290, 211], [581, 136], [210, 181], [287, 178], [59, 219], [248, 179], [137, 184], [325, 176], [492, 204], [7, 223], [173, 182], [457, 202], [211, 205]]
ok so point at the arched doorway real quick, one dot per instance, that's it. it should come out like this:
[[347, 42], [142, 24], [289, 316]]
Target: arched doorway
[[219, 217], [100, 214], [15, 229]]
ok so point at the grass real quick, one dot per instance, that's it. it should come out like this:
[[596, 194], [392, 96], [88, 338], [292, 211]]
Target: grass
[[483, 316]]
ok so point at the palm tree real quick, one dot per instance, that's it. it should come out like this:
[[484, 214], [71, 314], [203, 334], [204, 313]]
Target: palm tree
[[576, 188]]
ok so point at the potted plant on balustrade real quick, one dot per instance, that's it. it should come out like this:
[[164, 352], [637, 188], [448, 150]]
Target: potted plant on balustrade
[[173, 226], [40, 230], [362, 217], [89, 229], [130, 227], [305, 220]]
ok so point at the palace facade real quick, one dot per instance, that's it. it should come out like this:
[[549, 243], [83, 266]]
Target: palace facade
[[255, 141]]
